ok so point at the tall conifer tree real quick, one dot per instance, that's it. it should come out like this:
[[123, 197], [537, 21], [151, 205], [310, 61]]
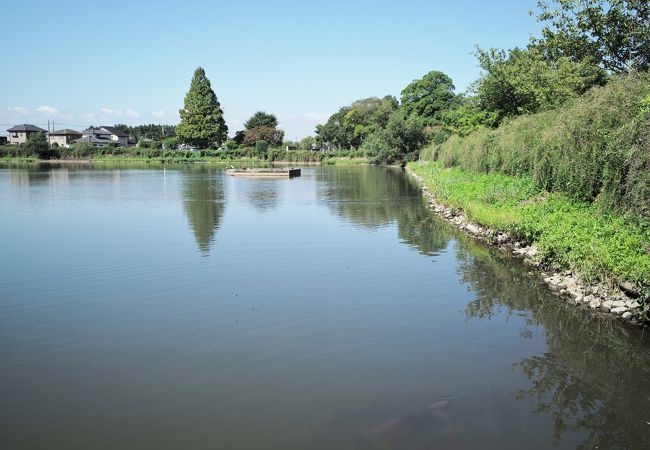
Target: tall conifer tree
[[202, 121]]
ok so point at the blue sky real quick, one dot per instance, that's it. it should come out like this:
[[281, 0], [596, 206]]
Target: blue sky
[[81, 63]]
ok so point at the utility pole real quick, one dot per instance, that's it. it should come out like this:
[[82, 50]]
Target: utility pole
[[49, 139]]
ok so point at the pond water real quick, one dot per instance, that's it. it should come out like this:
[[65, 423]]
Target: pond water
[[170, 307]]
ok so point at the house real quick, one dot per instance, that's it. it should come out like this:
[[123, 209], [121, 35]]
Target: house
[[64, 137], [117, 135], [103, 137], [20, 133]]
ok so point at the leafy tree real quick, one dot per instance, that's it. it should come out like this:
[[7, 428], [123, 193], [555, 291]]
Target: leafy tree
[[239, 137], [261, 119], [399, 142], [350, 125], [335, 131], [261, 147], [171, 143], [366, 116], [202, 120], [467, 117], [263, 133], [36, 144], [429, 96], [307, 143], [615, 34], [150, 131], [524, 81], [262, 127]]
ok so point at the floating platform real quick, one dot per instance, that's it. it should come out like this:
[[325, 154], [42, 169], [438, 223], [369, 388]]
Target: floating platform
[[264, 173]]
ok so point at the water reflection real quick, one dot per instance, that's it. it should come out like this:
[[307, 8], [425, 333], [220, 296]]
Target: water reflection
[[365, 345], [373, 198], [204, 205], [588, 379], [263, 195]]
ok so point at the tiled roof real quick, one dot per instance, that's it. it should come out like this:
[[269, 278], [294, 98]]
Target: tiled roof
[[64, 132], [26, 127], [91, 140], [115, 131]]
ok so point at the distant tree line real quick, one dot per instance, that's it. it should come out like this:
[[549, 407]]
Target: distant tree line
[[151, 132], [583, 44]]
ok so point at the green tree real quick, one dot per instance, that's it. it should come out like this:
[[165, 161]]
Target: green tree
[[151, 131], [261, 119], [612, 33], [262, 127], [367, 116], [399, 142], [171, 143], [239, 137], [350, 125], [262, 133], [428, 97], [525, 81], [335, 132], [468, 116], [36, 144], [307, 143], [202, 122], [261, 147]]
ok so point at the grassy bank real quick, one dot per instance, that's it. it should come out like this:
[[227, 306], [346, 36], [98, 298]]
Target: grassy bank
[[238, 156], [597, 148], [569, 234]]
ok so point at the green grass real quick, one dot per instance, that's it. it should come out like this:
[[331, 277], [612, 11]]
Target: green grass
[[594, 148], [240, 155], [581, 236]]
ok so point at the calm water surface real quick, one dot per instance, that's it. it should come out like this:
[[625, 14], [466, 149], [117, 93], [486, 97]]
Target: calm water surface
[[166, 308]]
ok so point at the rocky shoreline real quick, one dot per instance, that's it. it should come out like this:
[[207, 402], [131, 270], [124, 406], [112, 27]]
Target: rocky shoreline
[[619, 301]]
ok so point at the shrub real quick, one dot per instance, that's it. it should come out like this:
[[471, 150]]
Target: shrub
[[171, 143], [36, 145], [595, 148], [261, 147]]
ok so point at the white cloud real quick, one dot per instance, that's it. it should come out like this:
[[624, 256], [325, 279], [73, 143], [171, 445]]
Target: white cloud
[[18, 110], [131, 113], [158, 114], [47, 110], [110, 112]]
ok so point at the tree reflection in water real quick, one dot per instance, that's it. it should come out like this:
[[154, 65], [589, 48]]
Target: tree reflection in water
[[373, 197], [204, 204], [592, 367]]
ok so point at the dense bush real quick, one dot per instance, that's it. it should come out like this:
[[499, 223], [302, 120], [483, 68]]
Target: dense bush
[[398, 143], [525, 81], [171, 143], [36, 145], [596, 147], [261, 147]]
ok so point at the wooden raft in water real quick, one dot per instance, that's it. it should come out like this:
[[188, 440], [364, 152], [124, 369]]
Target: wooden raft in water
[[264, 173]]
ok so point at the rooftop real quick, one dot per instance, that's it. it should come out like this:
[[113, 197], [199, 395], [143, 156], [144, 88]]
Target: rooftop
[[115, 131], [64, 132], [92, 140], [25, 127]]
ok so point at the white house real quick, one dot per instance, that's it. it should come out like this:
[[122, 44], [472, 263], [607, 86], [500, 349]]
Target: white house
[[103, 137], [64, 137], [20, 133]]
